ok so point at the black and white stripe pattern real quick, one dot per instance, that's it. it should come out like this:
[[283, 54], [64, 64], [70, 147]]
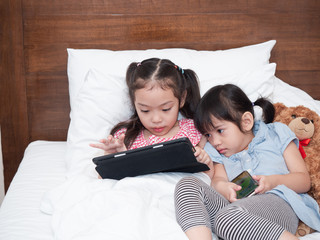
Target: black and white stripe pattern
[[196, 203], [263, 216]]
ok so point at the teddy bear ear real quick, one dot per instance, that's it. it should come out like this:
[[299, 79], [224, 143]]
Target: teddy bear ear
[[279, 107]]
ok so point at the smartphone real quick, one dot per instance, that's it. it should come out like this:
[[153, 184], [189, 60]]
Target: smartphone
[[247, 183]]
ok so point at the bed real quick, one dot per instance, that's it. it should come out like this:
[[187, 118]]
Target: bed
[[62, 87]]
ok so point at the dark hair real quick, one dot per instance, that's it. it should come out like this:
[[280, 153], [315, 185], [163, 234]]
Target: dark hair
[[167, 75], [228, 102]]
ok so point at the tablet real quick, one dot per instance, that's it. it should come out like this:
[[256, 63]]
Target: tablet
[[170, 156]]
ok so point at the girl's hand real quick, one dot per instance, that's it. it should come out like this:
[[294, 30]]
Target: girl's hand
[[111, 144], [266, 183], [203, 157], [221, 183], [229, 190]]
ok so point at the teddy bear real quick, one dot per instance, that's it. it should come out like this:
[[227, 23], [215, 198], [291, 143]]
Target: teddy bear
[[305, 123]]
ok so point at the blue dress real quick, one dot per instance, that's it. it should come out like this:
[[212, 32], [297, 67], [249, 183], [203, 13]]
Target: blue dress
[[264, 156]]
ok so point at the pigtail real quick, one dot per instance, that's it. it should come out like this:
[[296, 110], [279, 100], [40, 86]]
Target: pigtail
[[267, 108], [133, 124], [192, 93], [130, 77]]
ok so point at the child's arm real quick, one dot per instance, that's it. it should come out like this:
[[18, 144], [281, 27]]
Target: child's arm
[[297, 179], [111, 144], [221, 183]]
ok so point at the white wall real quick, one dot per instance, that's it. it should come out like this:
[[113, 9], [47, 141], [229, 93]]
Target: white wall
[[1, 174]]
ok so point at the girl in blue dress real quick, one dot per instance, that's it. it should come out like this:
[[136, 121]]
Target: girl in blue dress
[[268, 151]]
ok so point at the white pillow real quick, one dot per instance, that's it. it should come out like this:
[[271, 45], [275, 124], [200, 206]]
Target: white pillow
[[255, 82], [101, 103], [98, 93], [292, 96], [207, 64]]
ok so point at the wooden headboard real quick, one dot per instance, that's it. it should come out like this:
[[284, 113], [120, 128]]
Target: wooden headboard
[[36, 33]]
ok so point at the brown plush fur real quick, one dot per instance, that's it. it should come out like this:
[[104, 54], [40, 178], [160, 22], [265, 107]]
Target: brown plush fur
[[292, 116]]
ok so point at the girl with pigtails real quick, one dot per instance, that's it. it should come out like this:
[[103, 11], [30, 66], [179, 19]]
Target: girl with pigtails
[[158, 90]]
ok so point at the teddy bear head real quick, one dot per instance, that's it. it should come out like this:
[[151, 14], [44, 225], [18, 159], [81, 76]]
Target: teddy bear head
[[301, 120]]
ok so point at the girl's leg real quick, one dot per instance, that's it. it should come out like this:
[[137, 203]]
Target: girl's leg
[[199, 232], [264, 216], [196, 206]]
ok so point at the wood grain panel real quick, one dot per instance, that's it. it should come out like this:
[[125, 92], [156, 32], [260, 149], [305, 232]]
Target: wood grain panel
[[123, 29], [48, 104], [42, 57], [304, 56], [186, 28], [13, 110], [94, 7], [137, 7], [284, 6], [44, 52]]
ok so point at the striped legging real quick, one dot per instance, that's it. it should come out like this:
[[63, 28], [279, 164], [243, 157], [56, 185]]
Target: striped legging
[[262, 216]]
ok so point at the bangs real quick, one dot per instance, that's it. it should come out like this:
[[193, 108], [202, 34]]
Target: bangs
[[212, 104], [202, 118], [206, 125], [140, 83]]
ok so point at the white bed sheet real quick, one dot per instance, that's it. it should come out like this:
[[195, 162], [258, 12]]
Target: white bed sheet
[[139, 208], [134, 208], [43, 168]]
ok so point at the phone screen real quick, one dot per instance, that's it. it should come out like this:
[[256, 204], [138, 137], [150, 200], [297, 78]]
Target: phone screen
[[247, 183]]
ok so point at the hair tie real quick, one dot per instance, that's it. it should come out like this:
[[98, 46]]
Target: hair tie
[[138, 64], [252, 104], [179, 69]]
